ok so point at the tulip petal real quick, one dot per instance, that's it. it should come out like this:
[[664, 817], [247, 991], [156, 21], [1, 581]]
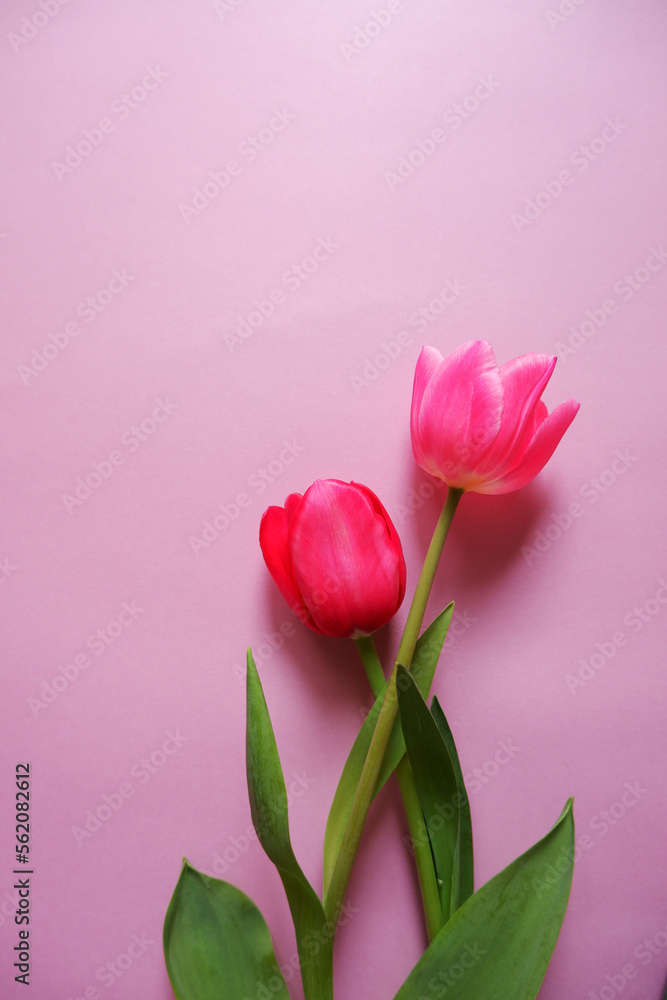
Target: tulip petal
[[539, 415], [348, 574], [291, 504], [460, 413], [428, 363], [273, 540], [539, 451], [524, 380], [394, 537]]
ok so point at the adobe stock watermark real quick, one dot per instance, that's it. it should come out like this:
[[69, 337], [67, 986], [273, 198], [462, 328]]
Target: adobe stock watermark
[[246, 153], [446, 811], [312, 943], [480, 776], [274, 641], [644, 953], [115, 968], [461, 620], [458, 628], [298, 783], [291, 281], [367, 32], [141, 771], [452, 119], [88, 311], [121, 108], [466, 959], [591, 491], [600, 824], [391, 349], [224, 7], [607, 818], [474, 781], [32, 24], [9, 906], [564, 10], [130, 441], [7, 569], [624, 289], [257, 482], [465, 449], [415, 500], [96, 643], [580, 158], [634, 621]]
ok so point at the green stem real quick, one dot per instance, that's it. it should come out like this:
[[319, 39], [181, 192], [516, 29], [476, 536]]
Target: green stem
[[423, 589], [334, 899], [413, 811], [335, 895], [371, 661]]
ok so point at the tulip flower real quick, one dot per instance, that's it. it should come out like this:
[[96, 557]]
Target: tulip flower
[[481, 428], [336, 558]]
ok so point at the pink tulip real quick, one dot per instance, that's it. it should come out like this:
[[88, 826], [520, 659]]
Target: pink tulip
[[482, 428], [336, 558]]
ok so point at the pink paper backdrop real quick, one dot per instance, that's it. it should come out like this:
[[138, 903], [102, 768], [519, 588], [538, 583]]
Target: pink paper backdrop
[[226, 231]]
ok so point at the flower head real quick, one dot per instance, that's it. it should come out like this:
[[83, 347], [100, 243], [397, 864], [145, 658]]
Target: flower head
[[336, 558], [482, 428]]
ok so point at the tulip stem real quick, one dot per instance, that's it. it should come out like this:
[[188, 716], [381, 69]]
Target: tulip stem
[[417, 610], [371, 661], [335, 894], [364, 795], [428, 882]]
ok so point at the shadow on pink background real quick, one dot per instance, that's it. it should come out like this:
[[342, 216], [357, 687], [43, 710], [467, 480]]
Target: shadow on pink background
[[179, 331]]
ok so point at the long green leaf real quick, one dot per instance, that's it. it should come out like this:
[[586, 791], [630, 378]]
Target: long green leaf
[[498, 945], [424, 662], [464, 873], [216, 942], [436, 786], [268, 805]]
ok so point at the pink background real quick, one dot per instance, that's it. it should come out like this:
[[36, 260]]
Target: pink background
[[329, 371]]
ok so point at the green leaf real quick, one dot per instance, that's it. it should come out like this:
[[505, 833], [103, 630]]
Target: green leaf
[[268, 805], [464, 875], [436, 786], [501, 940], [422, 670], [424, 662], [216, 942]]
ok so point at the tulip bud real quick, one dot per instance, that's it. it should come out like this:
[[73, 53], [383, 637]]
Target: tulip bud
[[482, 428], [336, 558]]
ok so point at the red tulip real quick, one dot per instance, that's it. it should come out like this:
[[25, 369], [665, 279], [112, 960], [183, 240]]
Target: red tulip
[[336, 558], [482, 428]]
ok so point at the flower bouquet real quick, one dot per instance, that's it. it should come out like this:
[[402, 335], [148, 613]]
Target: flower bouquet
[[337, 559]]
